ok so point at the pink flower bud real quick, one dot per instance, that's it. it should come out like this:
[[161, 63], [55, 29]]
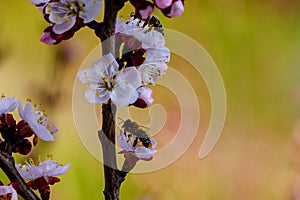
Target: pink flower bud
[[176, 9], [47, 39], [145, 97], [162, 4], [145, 13]]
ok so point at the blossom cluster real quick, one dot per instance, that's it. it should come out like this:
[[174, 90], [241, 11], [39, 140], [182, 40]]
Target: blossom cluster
[[34, 123], [15, 139], [170, 8], [66, 17], [123, 81], [42, 174]]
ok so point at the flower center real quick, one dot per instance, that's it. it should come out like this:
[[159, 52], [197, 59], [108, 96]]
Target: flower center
[[109, 84]]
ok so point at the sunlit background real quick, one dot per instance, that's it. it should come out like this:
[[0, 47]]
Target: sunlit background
[[255, 44]]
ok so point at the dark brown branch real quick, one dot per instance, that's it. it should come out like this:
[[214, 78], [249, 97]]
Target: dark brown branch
[[105, 31], [7, 164]]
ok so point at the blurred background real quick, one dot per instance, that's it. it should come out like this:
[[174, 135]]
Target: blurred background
[[256, 46]]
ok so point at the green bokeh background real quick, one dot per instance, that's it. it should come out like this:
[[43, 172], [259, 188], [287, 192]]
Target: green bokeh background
[[256, 45]]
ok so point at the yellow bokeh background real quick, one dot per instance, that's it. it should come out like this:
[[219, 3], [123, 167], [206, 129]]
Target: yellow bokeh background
[[255, 44]]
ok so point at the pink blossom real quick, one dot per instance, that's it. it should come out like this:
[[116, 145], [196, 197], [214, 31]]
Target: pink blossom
[[106, 83], [37, 121], [48, 168]]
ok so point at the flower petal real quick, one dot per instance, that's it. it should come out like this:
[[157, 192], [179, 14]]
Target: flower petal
[[59, 170], [144, 153], [42, 132], [7, 104], [122, 95], [64, 26], [91, 10], [130, 75], [158, 55], [97, 96], [89, 77], [153, 39], [5, 190]]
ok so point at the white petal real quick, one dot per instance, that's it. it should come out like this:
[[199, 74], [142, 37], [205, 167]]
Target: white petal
[[121, 95], [41, 131], [134, 97], [158, 55], [7, 104], [144, 153], [65, 26], [90, 78], [153, 39], [106, 67], [29, 172], [59, 170], [97, 97], [130, 75], [91, 10]]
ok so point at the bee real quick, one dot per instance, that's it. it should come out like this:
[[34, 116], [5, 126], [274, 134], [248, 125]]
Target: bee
[[136, 130], [155, 23]]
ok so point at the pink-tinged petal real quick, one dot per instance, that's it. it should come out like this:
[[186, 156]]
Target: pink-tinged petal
[[130, 75], [6, 190], [176, 9], [47, 39], [65, 26], [42, 132], [134, 97], [7, 104], [158, 55], [97, 97], [48, 168], [39, 2], [153, 39], [42, 9], [29, 172], [145, 13], [162, 4], [121, 96], [91, 10], [90, 78], [106, 66], [144, 153], [59, 170]]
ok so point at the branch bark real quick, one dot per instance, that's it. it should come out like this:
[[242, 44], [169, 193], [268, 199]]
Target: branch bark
[[105, 31], [7, 164]]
